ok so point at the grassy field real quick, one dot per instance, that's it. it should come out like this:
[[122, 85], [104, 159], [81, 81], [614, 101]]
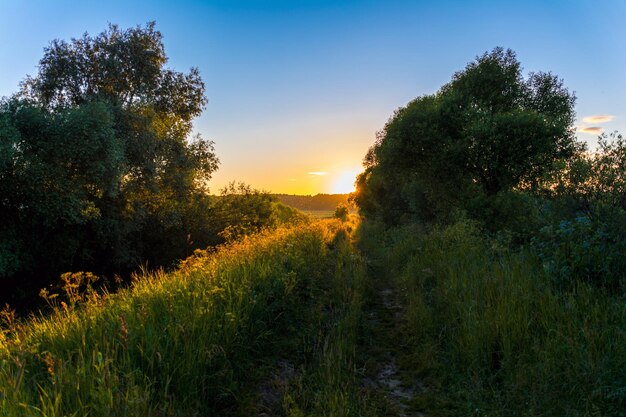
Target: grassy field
[[265, 325], [319, 214], [287, 323]]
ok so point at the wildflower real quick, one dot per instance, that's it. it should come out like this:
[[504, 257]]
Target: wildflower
[[50, 366]]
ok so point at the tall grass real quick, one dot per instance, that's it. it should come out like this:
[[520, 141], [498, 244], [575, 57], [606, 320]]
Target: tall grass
[[200, 340], [330, 384], [489, 335]]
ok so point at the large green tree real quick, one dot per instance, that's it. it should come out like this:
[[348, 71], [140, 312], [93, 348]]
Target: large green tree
[[488, 131], [55, 171], [152, 106], [99, 169]]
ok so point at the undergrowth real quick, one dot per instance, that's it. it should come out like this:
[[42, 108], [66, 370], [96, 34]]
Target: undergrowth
[[489, 333]]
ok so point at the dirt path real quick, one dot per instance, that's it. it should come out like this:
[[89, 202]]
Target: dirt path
[[384, 319]]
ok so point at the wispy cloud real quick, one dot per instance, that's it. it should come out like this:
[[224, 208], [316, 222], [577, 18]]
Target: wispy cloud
[[594, 130], [603, 118], [317, 173]]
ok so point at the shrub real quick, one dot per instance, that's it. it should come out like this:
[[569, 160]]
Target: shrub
[[341, 212], [488, 334], [590, 250]]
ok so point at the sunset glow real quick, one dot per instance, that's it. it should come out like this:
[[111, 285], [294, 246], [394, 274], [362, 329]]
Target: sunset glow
[[345, 181]]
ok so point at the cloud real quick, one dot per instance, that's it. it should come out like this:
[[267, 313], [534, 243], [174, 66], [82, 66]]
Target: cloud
[[594, 130], [317, 173], [603, 118]]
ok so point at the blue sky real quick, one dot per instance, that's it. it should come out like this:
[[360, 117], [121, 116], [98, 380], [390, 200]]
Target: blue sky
[[299, 88]]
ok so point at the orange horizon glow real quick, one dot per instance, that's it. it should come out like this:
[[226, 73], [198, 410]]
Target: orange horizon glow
[[332, 181], [307, 168]]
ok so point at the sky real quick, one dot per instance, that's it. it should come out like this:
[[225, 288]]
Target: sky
[[298, 89]]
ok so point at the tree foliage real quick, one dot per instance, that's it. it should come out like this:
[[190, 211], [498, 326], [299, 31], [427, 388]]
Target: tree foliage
[[241, 210], [584, 233], [489, 130], [56, 172], [98, 166], [499, 148], [123, 67]]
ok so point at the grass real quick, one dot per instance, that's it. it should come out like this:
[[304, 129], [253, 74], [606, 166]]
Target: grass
[[489, 336], [202, 340], [275, 324]]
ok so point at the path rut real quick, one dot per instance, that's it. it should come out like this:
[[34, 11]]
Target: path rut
[[390, 381]]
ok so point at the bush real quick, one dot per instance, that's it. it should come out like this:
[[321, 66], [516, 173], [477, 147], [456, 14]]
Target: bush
[[589, 250], [241, 210], [585, 239], [341, 212], [489, 335]]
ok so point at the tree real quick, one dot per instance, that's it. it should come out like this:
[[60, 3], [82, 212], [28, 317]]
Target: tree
[[124, 67], [487, 131], [242, 210], [153, 106], [98, 166], [55, 172]]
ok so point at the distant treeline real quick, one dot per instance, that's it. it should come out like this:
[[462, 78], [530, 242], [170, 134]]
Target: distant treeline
[[313, 202]]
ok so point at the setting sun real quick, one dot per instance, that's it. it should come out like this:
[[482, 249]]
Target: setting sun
[[345, 182]]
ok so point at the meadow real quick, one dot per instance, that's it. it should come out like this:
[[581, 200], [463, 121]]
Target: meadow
[[319, 214], [264, 325], [279, 323]]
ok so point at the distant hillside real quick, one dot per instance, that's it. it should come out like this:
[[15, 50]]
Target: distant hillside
[[313, 202]]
